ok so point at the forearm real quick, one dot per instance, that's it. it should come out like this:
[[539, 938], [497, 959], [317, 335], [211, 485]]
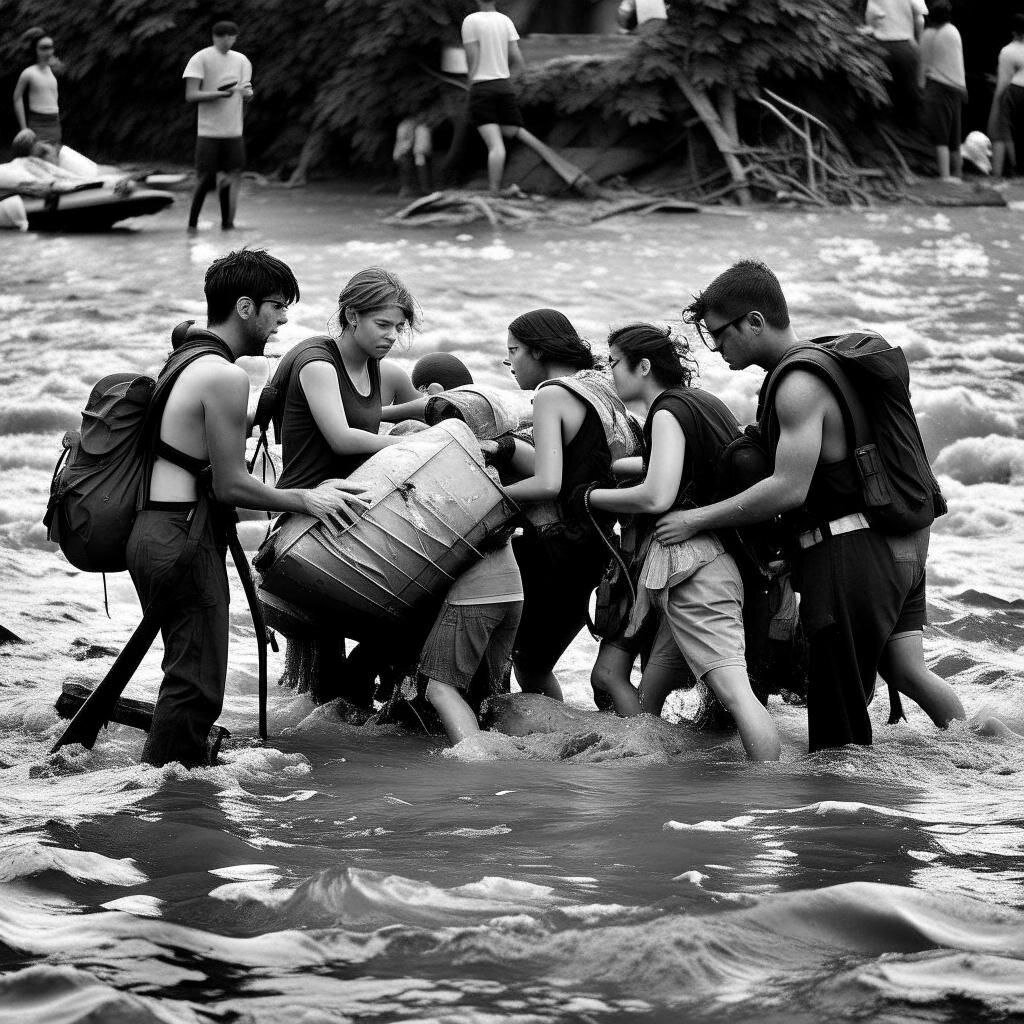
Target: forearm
[[533, 488], [360, 442], [629, 500], [757, 504], [245, 491], [414, 410], [201, 96]]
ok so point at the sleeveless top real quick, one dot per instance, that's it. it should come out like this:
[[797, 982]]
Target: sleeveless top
[[835, 489], [308, 458], [708, 425]]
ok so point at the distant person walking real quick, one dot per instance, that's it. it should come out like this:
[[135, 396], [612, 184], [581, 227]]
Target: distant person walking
[[219, 80], [945, 88], [36, 101], [492, 48], [1006, 122], [898, 25]]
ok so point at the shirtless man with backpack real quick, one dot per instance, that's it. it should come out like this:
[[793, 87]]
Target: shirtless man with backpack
[[204, 425], [861, 575]]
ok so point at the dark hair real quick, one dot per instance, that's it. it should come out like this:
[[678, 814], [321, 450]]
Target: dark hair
[[671, 362], [251, 272], [746, 286], [225, 28], [552, 335], [1017, 24], [940, 12], [30, 40], [440, 368]]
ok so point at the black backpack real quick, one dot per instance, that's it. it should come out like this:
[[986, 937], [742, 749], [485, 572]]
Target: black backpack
[[871, 380], [100, 479]]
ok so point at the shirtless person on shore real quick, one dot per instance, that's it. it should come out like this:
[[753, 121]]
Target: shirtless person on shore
[[204, 424]]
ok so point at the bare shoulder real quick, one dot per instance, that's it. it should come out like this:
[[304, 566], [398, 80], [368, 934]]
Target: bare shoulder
[[212, 373], [802, 395], [554, 401]]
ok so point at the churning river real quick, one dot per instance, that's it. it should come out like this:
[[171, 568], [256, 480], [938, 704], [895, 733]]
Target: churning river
[[341, 873]]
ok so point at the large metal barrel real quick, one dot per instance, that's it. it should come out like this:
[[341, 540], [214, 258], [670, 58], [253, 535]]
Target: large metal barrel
[[433, 506]]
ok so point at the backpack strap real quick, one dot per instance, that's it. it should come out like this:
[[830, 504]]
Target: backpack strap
[[828, 366]]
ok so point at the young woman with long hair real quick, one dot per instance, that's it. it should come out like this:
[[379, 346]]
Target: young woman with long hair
[[695, 584]]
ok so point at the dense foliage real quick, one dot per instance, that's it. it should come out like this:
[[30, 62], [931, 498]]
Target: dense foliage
[[348, 70], [351, 66]]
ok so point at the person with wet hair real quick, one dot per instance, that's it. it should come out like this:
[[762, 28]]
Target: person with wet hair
[[696, 584], [561, 557], [334, 387], [36, 94]]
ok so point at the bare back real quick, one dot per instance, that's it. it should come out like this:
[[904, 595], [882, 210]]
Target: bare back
[[204, 418]]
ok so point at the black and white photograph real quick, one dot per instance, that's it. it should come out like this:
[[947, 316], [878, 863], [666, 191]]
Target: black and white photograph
[[512, 511]]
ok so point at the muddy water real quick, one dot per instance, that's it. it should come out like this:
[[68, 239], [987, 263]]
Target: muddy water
[[342, 874]]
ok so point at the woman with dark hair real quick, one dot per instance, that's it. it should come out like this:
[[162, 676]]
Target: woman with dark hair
[[36, 104], [577, 421], [696, 584]]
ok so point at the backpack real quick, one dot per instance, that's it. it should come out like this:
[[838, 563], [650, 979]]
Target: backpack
[[871, 380], [101, 477]]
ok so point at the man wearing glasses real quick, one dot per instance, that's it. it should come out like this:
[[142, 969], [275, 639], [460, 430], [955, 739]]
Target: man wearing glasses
[[862, 593]]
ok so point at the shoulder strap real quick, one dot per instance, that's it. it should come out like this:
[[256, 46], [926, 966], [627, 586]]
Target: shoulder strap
[[828, 366]]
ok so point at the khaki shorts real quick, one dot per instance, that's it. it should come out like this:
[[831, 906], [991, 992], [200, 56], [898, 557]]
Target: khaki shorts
[[705, 614]]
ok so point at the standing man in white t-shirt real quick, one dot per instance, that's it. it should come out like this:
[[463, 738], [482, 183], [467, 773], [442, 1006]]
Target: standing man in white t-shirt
[[898, 25], [492, 49], [219, 80]]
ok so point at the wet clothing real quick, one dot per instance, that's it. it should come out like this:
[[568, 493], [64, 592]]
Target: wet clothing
[[561, 564], [854, 596], [471, 638], [194, 627], [308, 458]]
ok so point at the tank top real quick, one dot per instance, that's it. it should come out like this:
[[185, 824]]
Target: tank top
[[585, 459], [308, 458]]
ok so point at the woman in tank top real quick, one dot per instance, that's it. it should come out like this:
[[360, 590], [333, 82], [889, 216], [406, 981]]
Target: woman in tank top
[[336, 388], [561, 561], [338, 382]]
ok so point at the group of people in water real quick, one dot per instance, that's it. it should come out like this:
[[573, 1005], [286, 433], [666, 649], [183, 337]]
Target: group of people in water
[[862, 604]]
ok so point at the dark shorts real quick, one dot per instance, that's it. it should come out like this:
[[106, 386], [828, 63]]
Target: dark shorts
[[46, 127], [494, 103], [942, 114], [466, 636], [213, 155], [1010, 119]]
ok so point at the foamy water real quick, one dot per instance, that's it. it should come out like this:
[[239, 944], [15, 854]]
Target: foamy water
[[602, 870]]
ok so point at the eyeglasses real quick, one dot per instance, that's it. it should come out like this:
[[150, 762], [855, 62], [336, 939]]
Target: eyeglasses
[[710, 337], [612, 363]]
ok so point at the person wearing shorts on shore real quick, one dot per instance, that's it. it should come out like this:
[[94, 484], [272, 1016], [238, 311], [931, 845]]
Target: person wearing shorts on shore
[[492, 50], [36, 100], [472, 638], [218, 79], [1006, 121], [945, 88]]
